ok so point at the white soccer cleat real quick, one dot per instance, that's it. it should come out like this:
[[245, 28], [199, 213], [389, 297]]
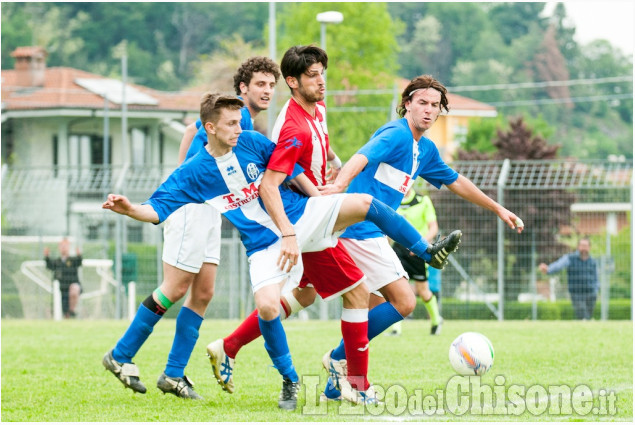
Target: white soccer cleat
[[222, 365], [336, 369], [368, 396]]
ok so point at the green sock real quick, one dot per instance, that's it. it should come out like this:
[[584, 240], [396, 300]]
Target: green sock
[[433, 310]]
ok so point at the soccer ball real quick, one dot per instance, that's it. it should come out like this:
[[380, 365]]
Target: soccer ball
[[471, 353]]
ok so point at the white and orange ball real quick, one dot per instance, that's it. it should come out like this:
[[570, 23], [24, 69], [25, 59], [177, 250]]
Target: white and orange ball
[[471, 353]]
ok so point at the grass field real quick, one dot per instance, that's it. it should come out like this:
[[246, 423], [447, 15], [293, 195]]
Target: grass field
[[51, 371]]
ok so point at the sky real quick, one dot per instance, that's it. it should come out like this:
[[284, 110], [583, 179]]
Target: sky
[[612, 20]]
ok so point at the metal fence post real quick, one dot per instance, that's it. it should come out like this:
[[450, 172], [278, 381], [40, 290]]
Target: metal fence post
[[500, 230], [57, 301], [532, 277]]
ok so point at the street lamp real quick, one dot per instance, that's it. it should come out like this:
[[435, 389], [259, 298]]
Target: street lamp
[[324, 18], [330, 17]]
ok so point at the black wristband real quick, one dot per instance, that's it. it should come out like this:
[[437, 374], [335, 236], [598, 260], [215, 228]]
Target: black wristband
[[288, 236]]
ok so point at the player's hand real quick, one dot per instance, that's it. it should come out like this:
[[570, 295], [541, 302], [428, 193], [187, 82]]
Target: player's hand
[[512, 220], [331, 173], [117, 203], [329, 189], [47, 251], [289, 253], [543, 267]]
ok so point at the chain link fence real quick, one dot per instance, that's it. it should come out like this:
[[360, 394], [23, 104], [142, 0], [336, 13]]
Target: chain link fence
[[494, 275]]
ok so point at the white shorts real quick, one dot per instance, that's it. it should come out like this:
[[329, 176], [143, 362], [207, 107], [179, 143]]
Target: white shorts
[[264, 270], [376, 258], [314, 229], [191, 237], [314, 232]]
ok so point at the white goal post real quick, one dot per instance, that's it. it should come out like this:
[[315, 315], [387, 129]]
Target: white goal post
[[35, 271]]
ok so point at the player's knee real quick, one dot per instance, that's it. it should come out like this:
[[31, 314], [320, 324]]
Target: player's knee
[[74, 290], [306, 297], [364, 201], [405, 304], [268, 310], [357, 297], [206, 294], [178, 292]]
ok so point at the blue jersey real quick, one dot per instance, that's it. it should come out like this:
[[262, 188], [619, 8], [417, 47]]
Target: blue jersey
[[395, 160], [200, 139], [230, 184]]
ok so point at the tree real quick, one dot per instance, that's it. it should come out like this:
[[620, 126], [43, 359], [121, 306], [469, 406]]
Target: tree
[[513, 19], [518, 142], [362, 55], [550, 65]]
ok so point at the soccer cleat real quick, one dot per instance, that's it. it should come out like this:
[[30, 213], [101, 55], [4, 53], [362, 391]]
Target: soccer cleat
[[180, 387], [335, 368], [127, 373], [330, 392], [324, 398], [222, 365], [288, 399], [441, 250], [356, 396], [436, 329]]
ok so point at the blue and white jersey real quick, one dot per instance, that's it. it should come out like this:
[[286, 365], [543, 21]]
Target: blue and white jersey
[[395, 160], [230, 184], [200, 140]]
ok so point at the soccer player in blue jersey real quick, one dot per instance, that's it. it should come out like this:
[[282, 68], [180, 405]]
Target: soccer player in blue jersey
[[255, 83], [227, 174], [191, 253], [386, 168]]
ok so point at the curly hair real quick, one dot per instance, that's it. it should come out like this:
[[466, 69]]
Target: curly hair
[[245, 72], [419, 83]]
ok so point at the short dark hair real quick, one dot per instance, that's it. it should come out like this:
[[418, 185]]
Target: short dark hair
[[245, 72], [213, 103], [422, 82], [298, 59]]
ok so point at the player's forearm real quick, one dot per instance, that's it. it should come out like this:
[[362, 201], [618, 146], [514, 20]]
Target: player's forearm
[[186, 141], [144, 213], [468, 191], [270, 194], [333, 159], [305, 185], [140, 212], [349, 171]]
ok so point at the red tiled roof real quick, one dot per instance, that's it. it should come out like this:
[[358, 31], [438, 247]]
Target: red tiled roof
[[29, 51], [457, 102], [60, 91]]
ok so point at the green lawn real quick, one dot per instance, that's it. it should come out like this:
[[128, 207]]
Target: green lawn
[[52, 372]]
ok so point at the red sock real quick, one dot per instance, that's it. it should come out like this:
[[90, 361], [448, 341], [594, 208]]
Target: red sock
[[246, 332], [355, 334]]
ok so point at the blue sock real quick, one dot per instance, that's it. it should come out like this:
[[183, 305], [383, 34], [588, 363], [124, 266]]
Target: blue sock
[[188, 323], [397, 228], [277, 347], [331, 390], [137, 333], [380, 318]]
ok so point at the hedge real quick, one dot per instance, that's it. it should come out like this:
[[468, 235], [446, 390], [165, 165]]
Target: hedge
[[453, 309]]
